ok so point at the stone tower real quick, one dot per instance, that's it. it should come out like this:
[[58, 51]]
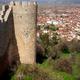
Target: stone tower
[[25, 22]]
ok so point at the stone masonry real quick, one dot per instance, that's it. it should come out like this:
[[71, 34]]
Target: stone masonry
[[18, 23], [25, 30]]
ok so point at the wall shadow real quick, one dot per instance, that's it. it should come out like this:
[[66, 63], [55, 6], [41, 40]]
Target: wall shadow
[[13, 50], [10, 60], [40, 57]]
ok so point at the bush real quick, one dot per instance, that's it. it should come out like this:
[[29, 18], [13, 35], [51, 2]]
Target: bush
[[64, 65], [63, 45], [39, 49], [40, 55], [55, 52], [74, 45]]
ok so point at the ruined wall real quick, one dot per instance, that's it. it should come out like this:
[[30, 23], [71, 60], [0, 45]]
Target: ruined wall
[[25, 22], [13, 55]]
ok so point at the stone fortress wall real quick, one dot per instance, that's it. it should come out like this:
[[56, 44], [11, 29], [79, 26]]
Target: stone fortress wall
[[18, 23], [25, 30]]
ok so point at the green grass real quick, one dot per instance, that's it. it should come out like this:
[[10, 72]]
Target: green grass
[[56, 75], [76, 65], [48, 66], [28, 78], [64, 56], [76, 71]]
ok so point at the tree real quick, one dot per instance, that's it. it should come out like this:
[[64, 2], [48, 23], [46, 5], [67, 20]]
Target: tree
[[49, 40]]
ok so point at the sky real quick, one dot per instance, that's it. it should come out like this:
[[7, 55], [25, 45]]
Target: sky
[[54, 1], [59, 1]]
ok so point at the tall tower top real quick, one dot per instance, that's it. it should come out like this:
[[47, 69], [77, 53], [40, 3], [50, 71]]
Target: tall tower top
[[12, 3]]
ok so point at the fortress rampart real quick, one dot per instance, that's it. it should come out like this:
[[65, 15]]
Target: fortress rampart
[[18, 23], [25, 30]]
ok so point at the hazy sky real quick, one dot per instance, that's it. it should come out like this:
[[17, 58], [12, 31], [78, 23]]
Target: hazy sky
[[53, 1], [60, 1]]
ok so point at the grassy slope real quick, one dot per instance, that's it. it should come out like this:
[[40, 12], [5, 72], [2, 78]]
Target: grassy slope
[[48, 67]]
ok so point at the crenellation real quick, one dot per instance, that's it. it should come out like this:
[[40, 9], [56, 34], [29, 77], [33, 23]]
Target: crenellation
[[17, 3], [3, 8], [12, 3], [1, 19], [31, 3], [2, 13], [6, 7], [24, 3], [35, 3], [7, 14], [1, 16]]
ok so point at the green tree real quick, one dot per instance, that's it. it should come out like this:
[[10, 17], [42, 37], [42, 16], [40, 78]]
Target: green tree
[[49, 40]]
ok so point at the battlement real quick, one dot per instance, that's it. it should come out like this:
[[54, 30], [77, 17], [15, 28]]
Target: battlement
[[4, 13], [6, 9], [23, 3]]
